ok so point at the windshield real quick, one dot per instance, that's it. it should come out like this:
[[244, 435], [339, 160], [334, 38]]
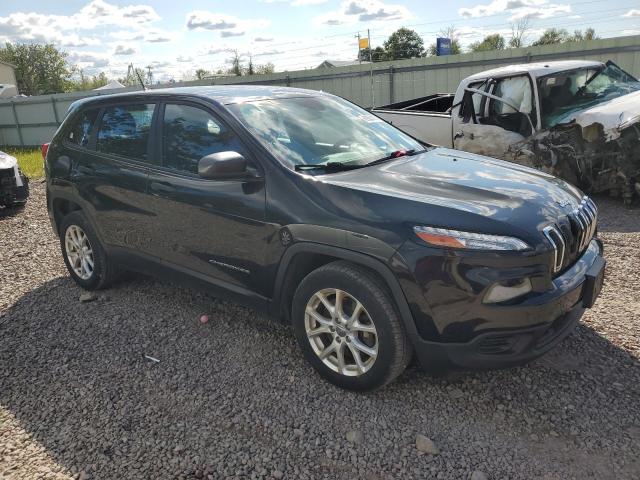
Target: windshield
[[567, 92], [321, 130]]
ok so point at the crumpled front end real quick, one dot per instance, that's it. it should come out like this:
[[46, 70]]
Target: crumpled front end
[[596, 156], [14, 185]]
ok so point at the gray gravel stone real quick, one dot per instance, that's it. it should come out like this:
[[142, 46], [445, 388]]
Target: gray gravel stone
[[426, 445], [77, 395]]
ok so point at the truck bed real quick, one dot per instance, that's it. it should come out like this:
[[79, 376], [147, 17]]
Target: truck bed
[[426, 118]]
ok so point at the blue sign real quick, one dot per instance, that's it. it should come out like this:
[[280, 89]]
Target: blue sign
[[443, 46]]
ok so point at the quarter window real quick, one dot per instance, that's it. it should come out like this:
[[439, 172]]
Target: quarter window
[[191, 133], [80, 132], [124, 130]]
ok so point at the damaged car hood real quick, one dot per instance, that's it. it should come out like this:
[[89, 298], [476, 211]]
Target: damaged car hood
[[613, 115], [7, 161]]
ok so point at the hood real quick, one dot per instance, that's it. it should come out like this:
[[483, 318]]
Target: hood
[[7, 161], [614, 115], [461, 190]]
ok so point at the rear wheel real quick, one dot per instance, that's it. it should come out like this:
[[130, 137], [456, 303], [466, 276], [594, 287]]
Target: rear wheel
[[83, 253], [348, 328]]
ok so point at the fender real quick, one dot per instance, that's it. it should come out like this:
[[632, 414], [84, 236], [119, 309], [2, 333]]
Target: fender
[[358, 258]]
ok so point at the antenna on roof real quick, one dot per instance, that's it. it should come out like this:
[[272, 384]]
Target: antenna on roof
[[131, 67]]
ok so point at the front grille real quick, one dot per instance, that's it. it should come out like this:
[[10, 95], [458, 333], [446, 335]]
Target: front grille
[[569, 237]]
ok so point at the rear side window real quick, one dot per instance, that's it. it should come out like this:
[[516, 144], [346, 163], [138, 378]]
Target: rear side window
[[190, 133], [124, 130], [80, 132]]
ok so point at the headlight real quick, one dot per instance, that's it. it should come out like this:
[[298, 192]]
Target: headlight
[[441, 237]]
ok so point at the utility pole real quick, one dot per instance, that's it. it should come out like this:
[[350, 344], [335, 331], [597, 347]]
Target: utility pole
[[373, 92]]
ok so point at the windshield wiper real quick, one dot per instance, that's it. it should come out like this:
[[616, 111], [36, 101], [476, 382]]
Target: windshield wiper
[[392, 155], [340, 167], [327, 167]]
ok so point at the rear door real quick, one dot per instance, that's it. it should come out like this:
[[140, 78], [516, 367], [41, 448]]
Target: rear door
[[210, 228], [111, 174]]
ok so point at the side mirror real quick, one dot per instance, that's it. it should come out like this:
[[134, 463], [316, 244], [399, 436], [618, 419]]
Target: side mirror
[[222, 165]]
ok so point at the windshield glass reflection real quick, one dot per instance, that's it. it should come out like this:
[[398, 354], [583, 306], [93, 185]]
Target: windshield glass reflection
[[321, 130]]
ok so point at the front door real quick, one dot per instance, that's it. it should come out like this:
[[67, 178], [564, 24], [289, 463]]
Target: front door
[[495, 116], [210, 228]]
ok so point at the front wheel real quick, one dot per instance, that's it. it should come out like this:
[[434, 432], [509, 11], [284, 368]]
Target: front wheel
[[348, 327]]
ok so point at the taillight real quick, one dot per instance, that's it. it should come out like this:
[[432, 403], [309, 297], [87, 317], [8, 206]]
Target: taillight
[[45, 149]]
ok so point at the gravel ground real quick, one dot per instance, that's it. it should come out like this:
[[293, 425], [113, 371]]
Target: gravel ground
[[234, 398]]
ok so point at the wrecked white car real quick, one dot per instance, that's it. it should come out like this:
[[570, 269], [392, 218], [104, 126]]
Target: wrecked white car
[[14, 185], [579, 120]]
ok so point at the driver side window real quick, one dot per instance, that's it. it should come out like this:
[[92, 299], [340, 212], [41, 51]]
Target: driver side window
[[511, 114], [190, 133]]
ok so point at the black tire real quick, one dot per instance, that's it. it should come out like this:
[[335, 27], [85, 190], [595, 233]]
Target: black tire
[[394, 349], [104, 273]]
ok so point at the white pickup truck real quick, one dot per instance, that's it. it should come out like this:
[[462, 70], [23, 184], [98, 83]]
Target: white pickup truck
[[579, 120]]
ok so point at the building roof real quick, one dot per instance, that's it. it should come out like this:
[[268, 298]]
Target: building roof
[[7, 63], [536, 69], [340, 63]]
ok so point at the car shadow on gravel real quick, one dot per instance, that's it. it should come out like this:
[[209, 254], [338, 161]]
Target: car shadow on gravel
[[233, 396]]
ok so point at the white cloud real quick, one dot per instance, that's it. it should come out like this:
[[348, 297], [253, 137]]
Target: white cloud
[[304, 3], [352, 11], [632, 13], [227, 25], [517, 8], [124, 50], [62, 29]]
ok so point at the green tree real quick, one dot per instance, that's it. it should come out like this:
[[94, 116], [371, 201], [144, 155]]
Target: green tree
[[490, 42], [236, 65], [40, 69], [404, 43], [265, 69], [379, 54], [578, 36], [250, 68], [552, 36], [201, 73]]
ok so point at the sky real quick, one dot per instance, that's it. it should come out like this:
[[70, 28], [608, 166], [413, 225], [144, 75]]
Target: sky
[[176, 38]]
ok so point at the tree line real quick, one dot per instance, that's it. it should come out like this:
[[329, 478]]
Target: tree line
[[43, 69], [405, 43]]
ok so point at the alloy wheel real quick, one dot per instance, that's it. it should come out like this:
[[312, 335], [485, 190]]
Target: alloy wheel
[[79, 252], [341, 332]]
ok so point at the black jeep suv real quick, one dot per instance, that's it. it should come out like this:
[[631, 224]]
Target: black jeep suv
[[375, 247]]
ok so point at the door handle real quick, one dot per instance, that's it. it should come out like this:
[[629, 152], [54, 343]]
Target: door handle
[[86, 169], [164, 187]]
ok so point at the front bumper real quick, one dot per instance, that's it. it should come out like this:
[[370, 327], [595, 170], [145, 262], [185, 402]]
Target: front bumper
[[508, 334], [14, 187]]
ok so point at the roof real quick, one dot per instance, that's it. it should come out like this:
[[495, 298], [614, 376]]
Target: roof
[[536, 69], [112, 85], [340, 63], [7, 63], [224, 94]]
